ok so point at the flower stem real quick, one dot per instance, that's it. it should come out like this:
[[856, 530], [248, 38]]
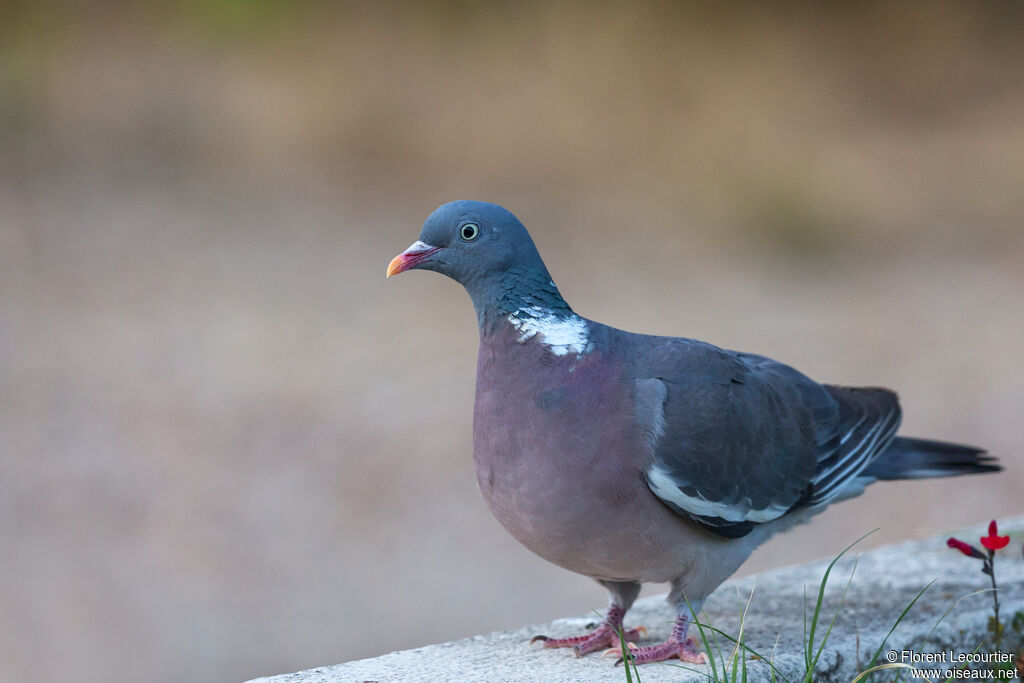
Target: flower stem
[[997, 625]]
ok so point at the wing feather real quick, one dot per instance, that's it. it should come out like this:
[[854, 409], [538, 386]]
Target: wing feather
[[740, 440]]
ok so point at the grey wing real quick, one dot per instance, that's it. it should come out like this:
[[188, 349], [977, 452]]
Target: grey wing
[[852, 426], [747, 439]]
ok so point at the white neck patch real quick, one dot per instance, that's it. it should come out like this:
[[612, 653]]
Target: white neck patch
[[560, 334]]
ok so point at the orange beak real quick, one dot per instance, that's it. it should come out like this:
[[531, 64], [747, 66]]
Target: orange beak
[[410, 258]]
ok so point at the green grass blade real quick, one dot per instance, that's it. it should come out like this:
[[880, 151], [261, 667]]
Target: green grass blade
[[809, 634], [707, 645], [748, 649], [743, 651], [898, 620], [721, 655], [828, 631], [626, 659]]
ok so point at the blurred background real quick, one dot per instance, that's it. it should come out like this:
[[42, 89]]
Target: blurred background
[[230, 448]]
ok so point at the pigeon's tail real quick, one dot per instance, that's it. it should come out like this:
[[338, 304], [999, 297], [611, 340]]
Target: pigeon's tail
[[908, 458]]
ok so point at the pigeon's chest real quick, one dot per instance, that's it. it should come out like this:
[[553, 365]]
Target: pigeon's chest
[[554, 435], [534, 405]]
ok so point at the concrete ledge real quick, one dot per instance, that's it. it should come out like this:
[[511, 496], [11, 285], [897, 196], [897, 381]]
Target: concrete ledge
[[884, 583]]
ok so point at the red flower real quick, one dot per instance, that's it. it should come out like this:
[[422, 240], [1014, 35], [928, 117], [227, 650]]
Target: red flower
[[993, 541], [966, 548]]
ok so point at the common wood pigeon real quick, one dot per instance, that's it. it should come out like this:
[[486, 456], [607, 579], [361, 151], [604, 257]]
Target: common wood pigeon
[[633, 458]]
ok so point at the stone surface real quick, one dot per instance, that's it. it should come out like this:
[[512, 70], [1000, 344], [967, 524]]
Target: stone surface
[[884, 582]]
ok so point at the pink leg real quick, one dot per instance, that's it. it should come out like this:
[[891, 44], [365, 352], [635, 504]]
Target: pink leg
[[604, 636], [678, 645]]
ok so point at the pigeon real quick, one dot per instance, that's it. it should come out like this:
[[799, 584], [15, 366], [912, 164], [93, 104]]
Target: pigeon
[[631, 458]]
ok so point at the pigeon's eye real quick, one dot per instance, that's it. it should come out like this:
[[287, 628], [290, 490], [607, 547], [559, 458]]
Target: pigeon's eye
[[469, 232]]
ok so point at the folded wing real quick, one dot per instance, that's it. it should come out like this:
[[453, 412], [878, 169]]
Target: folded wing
[[741, 440]]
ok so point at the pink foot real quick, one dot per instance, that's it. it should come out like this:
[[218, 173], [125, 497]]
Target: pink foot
[[603, 637], [685, 651], [606, 635]]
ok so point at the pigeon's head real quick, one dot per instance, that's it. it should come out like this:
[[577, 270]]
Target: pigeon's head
[[480, 245]]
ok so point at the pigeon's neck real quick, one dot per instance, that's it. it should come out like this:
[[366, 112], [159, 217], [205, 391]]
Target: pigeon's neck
[[529, 302], [514, 290]]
